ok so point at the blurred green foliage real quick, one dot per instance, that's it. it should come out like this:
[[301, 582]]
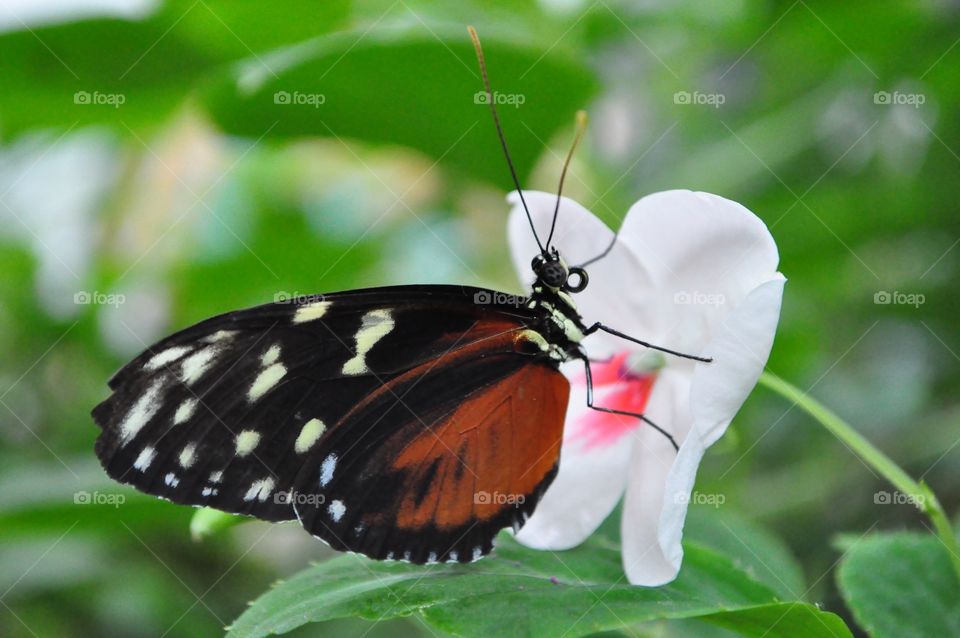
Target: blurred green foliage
[[200, 193]]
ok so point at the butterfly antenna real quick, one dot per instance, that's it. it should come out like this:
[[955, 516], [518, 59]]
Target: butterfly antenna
[[503, 140], [581, 129]]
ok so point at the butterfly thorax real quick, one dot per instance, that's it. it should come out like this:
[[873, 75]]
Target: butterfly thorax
[[558, 321]]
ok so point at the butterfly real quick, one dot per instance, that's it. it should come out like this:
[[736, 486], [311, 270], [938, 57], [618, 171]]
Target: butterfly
[[404, 423]]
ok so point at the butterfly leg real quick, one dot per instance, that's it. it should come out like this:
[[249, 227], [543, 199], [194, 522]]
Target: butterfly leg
[[586, 364], [599, 326]]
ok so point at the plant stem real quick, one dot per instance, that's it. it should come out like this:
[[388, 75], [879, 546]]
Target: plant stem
[[917, 491]]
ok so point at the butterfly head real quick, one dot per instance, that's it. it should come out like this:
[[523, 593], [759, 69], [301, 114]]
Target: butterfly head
[[552, 271]]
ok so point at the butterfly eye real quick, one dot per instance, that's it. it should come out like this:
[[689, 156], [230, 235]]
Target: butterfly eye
[[577, 280]]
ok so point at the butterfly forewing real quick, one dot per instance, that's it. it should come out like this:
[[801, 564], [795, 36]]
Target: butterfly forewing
[[241, 411]]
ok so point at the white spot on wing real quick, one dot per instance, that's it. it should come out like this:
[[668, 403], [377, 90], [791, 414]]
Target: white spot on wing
[[246, 442], [209, 491], [184, 411], [144, 459], [215, 477], [196, 365], [336, 509], [431, 558], [327, 469], [375, 325], [171, 479], [220, 335], [270, 356], [452, 558], [477, 553], [170, 354], [187, 455], [267, 378], [311, 311], [259, 490], [141, 412], [311, 432]]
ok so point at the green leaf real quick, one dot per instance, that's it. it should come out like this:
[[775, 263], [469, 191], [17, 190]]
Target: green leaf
[[238, 29], [416, 86], [753, 549], [95, 71], [132, 73], [523, 592], [207, 522], [901, 585]]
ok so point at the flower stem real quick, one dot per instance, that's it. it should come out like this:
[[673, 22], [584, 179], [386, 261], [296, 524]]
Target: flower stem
[[917, 491]]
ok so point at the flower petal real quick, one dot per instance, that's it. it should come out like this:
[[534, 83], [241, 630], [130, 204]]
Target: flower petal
[[704, 254], [619, 286], [652, 531], [740, 351], [683, 234], [645, 557], [588, 486]]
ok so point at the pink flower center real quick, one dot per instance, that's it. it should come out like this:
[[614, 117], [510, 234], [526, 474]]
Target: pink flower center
[[623, 383]]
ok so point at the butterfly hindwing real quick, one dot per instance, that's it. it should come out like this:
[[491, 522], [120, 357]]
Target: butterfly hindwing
[[231, 412], [433, 464]]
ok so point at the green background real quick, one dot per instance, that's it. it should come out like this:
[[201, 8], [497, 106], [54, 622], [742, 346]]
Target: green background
[[199, 193]]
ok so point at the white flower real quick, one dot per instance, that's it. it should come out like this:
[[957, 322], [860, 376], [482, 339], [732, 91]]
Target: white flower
[[692, 272]]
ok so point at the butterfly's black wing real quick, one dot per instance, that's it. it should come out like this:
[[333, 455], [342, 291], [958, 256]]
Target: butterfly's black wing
[[238, 411]]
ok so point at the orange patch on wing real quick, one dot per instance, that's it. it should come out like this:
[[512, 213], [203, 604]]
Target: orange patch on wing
[[489, 454]]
